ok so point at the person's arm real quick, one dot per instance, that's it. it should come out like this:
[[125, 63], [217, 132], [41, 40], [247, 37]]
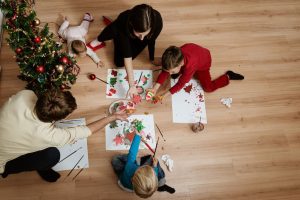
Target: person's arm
[[62, 28], [129, 70], [183, 79], [94, 57], [162, 77], [157, 27], [134, 148], [151, 49], [101, 123], [131, 166]]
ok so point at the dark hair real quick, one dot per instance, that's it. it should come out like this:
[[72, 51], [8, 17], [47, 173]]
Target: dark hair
[[171, 58], [55, 105], [141, 19]]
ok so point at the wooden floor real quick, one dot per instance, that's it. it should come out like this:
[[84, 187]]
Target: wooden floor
[[250, 151]]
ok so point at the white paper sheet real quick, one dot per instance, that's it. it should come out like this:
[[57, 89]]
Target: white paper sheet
[[118, 85], [118, 139], [71, 154], [188, 104]]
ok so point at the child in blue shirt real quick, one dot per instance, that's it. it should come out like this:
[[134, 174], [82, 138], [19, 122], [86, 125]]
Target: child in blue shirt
[[143, 178]]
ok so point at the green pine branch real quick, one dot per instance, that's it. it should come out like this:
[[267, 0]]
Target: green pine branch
[[38, 54]]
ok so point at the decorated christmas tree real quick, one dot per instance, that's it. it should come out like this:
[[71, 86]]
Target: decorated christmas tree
[[42, 62]]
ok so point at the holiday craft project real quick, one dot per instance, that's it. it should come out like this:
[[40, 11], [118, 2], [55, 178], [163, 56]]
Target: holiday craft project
[[120, 105], [72, 153], [188, 104], [120, 135], [118, 82]]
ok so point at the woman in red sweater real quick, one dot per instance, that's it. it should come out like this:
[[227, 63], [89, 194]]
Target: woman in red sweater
[[187, 61]]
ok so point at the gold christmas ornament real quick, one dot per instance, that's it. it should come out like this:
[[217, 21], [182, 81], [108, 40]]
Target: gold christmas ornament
[[60, 68], [36, 22]]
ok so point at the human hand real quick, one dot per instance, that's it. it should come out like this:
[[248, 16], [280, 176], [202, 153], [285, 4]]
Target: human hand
[[100, 64], [158, 98], [154, 161], [156, 61], [121, 115], [152, 90], [132, 91]]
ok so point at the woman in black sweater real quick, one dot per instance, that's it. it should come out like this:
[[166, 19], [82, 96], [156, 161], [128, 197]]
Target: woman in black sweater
[[132, 31]]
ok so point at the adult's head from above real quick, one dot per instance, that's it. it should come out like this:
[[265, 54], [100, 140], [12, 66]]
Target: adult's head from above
[[141, 21], [55, 105], [172, 60]]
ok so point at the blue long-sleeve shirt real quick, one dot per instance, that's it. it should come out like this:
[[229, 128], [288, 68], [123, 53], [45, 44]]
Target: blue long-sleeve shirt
[[131, 165]]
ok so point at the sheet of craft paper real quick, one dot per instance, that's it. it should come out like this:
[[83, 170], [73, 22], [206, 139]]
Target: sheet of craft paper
[[71, 154], [118, 82], [188, 104], [119, 135]]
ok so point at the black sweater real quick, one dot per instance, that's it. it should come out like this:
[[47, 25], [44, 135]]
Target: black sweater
[[125, 36]]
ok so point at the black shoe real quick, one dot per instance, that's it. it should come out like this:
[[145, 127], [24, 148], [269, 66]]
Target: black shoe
[[174, 76], [49, 175], [234, 76], [166, 188], [4, 175]]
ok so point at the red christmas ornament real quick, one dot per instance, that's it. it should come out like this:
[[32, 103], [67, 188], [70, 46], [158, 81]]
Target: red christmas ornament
[[64, 60], [14, 17], [40, 68], [37, 40], [63, 86], [18, 50], [92, 76], [10, 24]]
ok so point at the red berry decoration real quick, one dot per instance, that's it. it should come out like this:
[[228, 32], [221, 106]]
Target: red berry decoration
[[40, 68], [63, 86], [92, 76], [64, 60], [18, 50], [37, 40], [14, 17]]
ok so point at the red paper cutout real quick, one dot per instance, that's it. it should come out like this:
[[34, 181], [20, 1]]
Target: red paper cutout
[[188, 88], [112, 90], [130, 136], [114, 72], [118, 140], [137, 99]]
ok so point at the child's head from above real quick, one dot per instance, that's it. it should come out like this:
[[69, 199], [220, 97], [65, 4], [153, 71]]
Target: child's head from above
[[144, 181], [172, 60], [79, 48]]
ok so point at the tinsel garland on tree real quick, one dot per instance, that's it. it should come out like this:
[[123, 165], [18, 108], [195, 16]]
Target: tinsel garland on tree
[[42, 62]]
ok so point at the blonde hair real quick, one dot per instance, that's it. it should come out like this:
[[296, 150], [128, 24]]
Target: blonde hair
[[78, 47], [144, 181]]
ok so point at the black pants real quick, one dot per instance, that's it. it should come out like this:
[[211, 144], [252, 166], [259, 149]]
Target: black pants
[[122, 43], [40, 161]]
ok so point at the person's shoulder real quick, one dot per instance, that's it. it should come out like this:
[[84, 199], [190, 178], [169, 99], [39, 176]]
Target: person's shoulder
[[191, 46], [24, 94], [124, 15], [157, 14]]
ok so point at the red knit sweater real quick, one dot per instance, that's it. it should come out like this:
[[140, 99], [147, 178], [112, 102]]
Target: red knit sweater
[[196, 58]]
